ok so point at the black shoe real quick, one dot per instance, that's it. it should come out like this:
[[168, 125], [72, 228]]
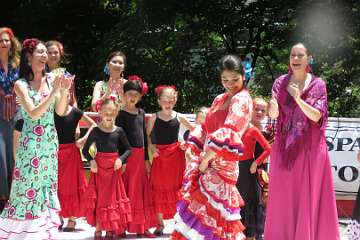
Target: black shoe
[[60, 227], [159, 231], [70, 228]]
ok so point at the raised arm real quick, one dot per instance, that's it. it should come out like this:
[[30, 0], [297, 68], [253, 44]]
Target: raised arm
[[62, 99], [35, 112], [184, 121], [97, 94], [91, 125]]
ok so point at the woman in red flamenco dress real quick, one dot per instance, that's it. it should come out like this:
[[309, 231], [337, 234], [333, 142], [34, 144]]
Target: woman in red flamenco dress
[[209, 207]]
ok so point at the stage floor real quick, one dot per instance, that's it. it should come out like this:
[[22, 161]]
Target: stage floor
[[85, 232]]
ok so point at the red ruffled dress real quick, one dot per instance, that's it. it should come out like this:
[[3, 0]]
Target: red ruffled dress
[[135, 177], [168, 167], [209, 207], [107, 204], [71, 176]]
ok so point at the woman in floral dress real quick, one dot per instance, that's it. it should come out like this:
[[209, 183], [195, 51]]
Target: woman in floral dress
[[31, 212], [209, 205]]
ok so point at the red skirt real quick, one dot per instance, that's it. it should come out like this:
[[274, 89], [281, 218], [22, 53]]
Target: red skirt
[[138, 190], [72, 181], [166, 178], [106, 201]]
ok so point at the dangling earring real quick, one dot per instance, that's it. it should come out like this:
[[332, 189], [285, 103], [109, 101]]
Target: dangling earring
[[106, 70], [308, 68]]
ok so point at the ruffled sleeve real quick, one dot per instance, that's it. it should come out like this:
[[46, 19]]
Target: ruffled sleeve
[[226, 141], [196, 139]]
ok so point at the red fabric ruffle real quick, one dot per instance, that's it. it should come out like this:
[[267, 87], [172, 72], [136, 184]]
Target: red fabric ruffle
[[226, 226], [107, 203], [166, 178], [165, 202], [138, 190], [72, 181], [226, 143]]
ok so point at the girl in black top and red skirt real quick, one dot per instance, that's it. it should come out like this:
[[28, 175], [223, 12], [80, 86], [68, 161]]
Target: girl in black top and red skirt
[[135, 177], [71, 177], [108, 207], [168, 163]]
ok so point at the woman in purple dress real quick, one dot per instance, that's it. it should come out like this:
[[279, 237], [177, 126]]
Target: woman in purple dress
[[301, 194]]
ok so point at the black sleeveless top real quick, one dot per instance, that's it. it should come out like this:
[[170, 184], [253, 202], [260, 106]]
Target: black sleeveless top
[[165, 132], [66, 125]]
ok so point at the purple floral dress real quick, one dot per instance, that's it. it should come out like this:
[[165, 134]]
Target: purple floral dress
[[33, 194]]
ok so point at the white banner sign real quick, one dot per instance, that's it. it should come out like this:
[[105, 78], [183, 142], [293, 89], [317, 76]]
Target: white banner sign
[[343, 140]]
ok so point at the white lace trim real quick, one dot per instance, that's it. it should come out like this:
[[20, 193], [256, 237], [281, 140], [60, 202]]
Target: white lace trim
[[43, 227]]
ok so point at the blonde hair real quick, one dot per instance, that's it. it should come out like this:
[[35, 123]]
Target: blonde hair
[[260, 100]]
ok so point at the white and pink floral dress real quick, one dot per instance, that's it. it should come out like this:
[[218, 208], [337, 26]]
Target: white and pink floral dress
[[31, 212]]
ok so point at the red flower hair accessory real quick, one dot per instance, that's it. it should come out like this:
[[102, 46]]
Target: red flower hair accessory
[[144, 86], [30, 44], [100, 102], [161, 87]]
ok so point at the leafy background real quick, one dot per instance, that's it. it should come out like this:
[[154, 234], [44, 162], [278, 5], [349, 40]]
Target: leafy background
[[180, 42]]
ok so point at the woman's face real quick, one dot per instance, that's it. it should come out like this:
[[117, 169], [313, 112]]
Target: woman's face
[[116, 66], [5, 42], [39, 58], [54, 56], [232, 81], [299, 59]]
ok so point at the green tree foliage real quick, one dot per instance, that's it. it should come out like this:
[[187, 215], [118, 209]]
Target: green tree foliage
[[180, 42]]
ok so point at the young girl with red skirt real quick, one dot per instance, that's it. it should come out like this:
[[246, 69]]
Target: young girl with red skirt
[[135, 177], [108, 207], [168, 163], [71, 177]]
